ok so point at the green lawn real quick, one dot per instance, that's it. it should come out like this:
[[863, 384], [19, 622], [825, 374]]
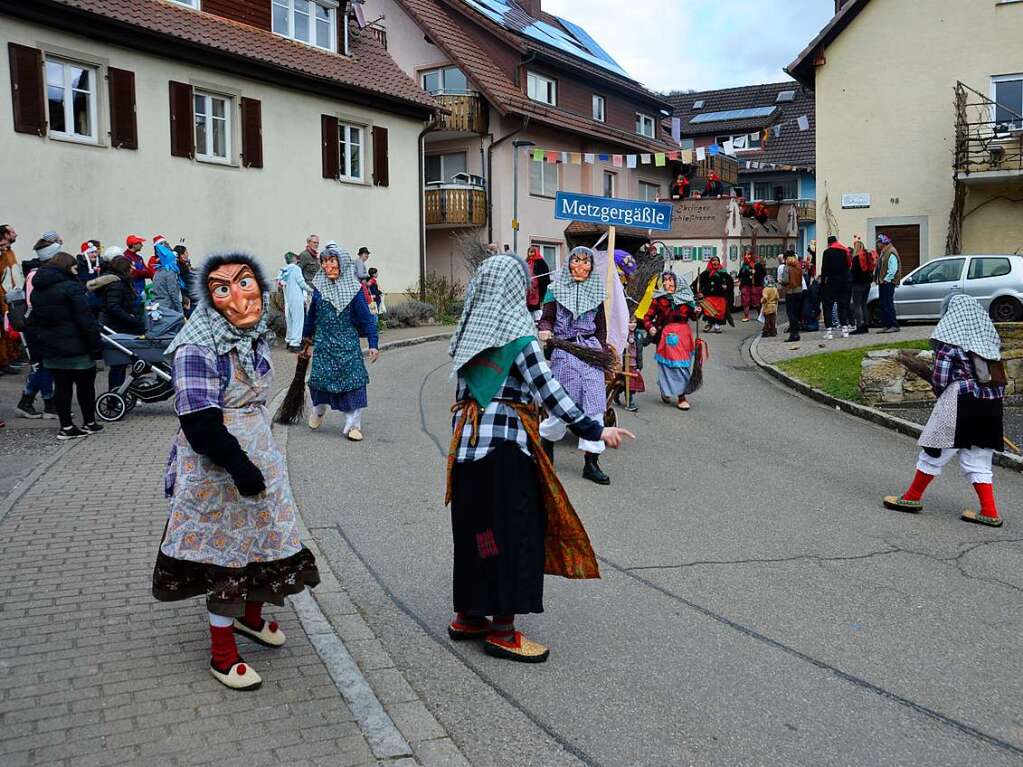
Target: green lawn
[[838, 373]]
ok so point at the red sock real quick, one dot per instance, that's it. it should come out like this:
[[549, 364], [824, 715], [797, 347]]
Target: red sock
[[986, 495], [920, 483], [254, 615], [503, 627], [223, 650]]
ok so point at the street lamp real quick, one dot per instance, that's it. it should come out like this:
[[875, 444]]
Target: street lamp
[[520, 144]]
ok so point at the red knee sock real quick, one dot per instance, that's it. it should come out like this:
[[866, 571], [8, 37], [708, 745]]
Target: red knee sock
[[986, 495], [254, 615], [920, 483], [223, 650]]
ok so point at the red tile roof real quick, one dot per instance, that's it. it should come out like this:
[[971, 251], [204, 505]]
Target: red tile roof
[[369, 69]]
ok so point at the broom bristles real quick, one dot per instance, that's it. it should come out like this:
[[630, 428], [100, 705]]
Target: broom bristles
[[599, 358], [696, 379], [293, 407]]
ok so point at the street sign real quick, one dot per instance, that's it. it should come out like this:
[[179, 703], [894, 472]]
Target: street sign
[[569, 206], [861, 200]]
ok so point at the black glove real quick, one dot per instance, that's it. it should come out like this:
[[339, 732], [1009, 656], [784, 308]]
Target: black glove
[[207, 435], [248, 478]]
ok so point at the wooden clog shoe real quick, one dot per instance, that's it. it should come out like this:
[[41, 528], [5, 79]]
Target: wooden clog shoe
[[269, 634], [355, 435], [898, 503], [241, 676], [979, 519], [518, 648], [459, 631]]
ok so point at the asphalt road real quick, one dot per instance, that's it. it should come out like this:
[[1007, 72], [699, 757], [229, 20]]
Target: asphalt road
[[757, 606]]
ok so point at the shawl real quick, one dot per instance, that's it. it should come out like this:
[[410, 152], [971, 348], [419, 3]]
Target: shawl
[[965, 324], [495, 310], [579, 297], [207, 327], [167, 259], [683, 291], [340, 292]]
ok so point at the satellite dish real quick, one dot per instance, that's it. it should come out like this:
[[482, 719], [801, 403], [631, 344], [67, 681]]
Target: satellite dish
[[360, 14]]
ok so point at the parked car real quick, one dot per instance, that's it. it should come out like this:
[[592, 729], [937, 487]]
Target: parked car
[[994, 280]]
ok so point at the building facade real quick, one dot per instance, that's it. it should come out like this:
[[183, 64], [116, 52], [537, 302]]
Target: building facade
[[914, 139], [230, 125]]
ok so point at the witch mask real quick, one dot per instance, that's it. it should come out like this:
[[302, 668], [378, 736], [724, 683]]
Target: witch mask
[[580, 267], [235, 293], [331, 267]]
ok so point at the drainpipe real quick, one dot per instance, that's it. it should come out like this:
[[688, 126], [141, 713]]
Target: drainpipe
[[430, 126], [490, 174]]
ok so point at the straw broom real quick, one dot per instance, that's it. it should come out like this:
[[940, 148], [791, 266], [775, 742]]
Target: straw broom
[[696, 379], [598, 358], [292, 409]]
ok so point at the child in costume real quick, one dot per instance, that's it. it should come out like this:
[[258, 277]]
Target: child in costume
[[294, 287], [510, 517], [667, 324], [769, 306], [574, 312], [714, 289], [969, 382], [232, 534], [338, 315]]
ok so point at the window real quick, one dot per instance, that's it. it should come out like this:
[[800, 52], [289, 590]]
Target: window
[[787, 189], [71, 99], [189, 3], [609, 184], [698, 104], [307, 21], [1008, 96], [598, 108], [981, 268], [688, 143], [946, 270], [649, 192], [709, 251], [551, 254], [540, 88], [784, 96], [644, 125], [543, 179], [212, 127], [439, 168], [446, 80], [350, 140]]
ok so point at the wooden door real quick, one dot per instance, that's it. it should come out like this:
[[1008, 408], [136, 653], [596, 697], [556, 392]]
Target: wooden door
[[906, 239]]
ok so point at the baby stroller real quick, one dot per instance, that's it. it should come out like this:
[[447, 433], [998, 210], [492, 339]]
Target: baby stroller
[[149, 375]]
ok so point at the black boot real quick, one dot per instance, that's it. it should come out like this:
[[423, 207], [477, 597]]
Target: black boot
[[25, 407], [548, 447], [592, 471]]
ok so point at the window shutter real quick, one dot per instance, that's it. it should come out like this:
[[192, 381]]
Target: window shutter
[[252, 133], [27, 89], [331, 148], [182, 120], [381, 175], [124, 132]]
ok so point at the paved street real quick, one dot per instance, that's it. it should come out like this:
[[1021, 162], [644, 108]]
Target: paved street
[[758, 606]]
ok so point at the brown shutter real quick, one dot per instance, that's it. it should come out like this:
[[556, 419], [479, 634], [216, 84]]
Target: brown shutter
[[331, 148], [252, 133], [380, 170], [124, 133], [182, 120], [27, 96]]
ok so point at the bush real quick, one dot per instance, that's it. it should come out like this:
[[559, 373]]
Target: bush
[[442, 293], [411, 314]]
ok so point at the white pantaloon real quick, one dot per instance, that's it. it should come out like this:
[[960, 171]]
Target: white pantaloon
[[553, 430], [353, 419], [975, 463]]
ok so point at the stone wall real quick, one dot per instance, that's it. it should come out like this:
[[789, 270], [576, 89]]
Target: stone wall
[[883, 381]]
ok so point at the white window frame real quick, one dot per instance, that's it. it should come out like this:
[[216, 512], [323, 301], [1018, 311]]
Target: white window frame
[[608, 174], [443, 90], [995, 79], [551, 249], [544, 191], [194, 4], [599, 108], [201, 153], [332, 10], [344, 136], [642, 121], [534, 81], [69, 116], [444, 175], [643, 188]]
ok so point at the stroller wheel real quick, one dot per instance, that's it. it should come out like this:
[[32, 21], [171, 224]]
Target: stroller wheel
[[130, 401], [110, 406]]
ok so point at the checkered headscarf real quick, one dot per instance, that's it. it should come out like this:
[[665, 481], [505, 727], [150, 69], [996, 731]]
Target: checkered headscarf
[[965, 324], [579, 297], [495, 310], [340, 292]]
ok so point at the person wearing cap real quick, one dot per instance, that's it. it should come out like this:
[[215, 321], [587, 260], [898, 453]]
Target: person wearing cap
[[360, 264], [88, 261], [886, 275], [140, 270]]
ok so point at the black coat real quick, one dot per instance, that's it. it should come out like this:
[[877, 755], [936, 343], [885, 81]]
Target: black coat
[[60, 323], [835, 268], [122, 309]]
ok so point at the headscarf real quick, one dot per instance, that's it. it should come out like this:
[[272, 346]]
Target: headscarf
[[967, 325], [340, 292], [683, 291], [51, 249], [495, 312], [167, 260], [712, 267], [579, 297]]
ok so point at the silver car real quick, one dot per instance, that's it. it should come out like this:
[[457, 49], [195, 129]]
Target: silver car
[[994, 280]]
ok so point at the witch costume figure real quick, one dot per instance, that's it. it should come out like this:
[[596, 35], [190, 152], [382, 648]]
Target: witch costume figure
[[511, 520], [295, 288], [667, 324], [574, 312], [232, 534], [969, 381], [714, 289], [338, 315]]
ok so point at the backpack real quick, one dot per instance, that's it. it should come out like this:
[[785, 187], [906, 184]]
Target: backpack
[[17, 308]]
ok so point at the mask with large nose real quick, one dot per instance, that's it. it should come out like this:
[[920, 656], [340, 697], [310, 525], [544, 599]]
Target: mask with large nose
[[235, 293]]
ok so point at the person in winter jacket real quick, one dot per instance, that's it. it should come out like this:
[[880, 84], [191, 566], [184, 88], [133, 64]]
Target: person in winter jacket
[[835, 285], [64, 337], [122, 309], [39, 381], [140, 270], [167, 282], [863, 264]]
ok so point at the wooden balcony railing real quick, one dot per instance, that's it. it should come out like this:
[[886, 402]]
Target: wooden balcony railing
[[468, 113], [454, 205], [806, 210]]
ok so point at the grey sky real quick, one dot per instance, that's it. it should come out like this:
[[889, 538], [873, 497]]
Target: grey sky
[[699, 44]]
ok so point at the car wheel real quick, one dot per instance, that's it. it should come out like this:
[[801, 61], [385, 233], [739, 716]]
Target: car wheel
[[874, 313], [1006, 310]]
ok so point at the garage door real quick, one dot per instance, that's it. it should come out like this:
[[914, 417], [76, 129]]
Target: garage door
[[907, 241]]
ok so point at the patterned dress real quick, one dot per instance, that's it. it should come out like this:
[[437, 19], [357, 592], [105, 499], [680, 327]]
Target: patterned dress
[[584, 383], [217, 542], [339, 376]]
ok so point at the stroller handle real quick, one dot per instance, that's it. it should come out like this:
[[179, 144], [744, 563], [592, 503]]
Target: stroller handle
[[124, 350]]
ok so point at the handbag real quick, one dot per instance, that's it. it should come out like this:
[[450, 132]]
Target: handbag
[[988, 372], [17, 308]]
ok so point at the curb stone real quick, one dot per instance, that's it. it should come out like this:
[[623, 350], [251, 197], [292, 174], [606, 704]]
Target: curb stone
[[874, 415]]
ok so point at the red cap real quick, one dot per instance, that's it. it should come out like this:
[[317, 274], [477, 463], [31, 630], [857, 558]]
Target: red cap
[[86, 246], [134, 239], [159, 238]]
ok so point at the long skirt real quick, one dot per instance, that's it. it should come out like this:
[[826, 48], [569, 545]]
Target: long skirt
[[497, 525]]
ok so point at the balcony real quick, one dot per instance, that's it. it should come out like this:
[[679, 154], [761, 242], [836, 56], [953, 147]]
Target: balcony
[[726, 167], [455, 205], [806, 211], [468, 113], [986, 150]]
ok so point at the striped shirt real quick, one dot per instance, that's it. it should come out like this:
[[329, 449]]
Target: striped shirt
[[530, 380], [952, 364]]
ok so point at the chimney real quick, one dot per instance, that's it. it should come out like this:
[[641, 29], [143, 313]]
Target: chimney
[[532, 7], [839, 5]]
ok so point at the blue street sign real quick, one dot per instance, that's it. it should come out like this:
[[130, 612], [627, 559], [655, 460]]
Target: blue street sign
[[605, 210]]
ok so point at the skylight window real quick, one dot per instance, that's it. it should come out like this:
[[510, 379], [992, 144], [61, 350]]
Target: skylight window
[[785, 96], [698, 104], [732, 114]]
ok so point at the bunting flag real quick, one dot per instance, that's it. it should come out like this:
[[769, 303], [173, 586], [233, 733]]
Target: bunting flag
[[630, 161], [712, 150], [701, 154], [674, 155], [617, 160], [804, 123], [589, 158], [577, 159], [564, 157], [538, 155], [660, 160], [553, 156], [676, 130], [604, 157]]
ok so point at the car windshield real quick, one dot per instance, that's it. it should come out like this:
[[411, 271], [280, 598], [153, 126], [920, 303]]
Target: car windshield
[[946, 270]]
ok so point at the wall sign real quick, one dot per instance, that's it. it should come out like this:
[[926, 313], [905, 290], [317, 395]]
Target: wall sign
[[859, 200]]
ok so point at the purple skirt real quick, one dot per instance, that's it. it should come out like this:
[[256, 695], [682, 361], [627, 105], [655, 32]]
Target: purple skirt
[[345, 401]]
